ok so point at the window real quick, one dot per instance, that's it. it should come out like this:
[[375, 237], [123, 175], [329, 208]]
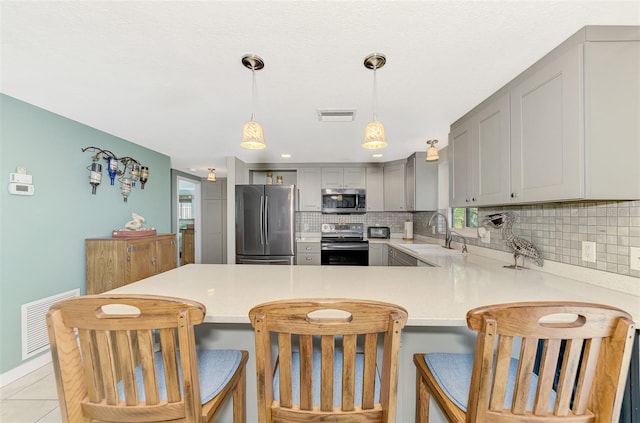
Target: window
[[464, 217]]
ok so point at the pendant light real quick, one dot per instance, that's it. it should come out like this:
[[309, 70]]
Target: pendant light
[[374, 136], [432, 151], [252, 133], [212, 175]]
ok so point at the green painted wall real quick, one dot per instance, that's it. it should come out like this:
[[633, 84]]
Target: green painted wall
[[42, 237]]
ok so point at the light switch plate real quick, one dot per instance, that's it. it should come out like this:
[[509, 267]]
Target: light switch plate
[[589, 251], [634, 258]]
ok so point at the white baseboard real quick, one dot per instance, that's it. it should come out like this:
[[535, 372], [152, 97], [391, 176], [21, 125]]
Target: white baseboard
[[24, 369]]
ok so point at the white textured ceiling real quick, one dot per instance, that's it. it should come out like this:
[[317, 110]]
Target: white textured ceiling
[[167, 74]]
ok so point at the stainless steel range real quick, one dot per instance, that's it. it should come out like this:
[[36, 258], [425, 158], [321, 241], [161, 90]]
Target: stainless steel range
[[344, 245]]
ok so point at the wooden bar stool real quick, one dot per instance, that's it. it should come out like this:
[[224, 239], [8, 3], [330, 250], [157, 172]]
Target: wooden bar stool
[[578, 374], [328, 364], [107, 368]]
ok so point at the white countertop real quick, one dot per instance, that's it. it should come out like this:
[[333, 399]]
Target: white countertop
[[433, 296]]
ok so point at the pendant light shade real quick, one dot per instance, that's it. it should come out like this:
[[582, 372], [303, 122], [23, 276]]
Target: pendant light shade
[[432, 151], [212, 175], [374, 136], [252, 133]]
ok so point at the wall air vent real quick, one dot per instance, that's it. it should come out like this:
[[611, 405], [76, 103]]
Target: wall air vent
[[35, 337], [336, 115]]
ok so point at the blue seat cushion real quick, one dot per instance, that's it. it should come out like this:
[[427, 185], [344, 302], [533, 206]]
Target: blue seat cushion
[[315, 380], [453, 374], [215, 369]]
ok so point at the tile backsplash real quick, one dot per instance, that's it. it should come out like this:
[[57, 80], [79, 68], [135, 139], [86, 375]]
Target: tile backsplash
[[311, 221], [558, 229]]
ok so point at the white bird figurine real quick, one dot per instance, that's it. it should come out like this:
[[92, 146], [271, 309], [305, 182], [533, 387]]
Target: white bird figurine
[[519, 246], [136, 223]]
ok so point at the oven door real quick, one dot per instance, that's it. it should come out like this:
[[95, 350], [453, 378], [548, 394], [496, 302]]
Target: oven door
[[344, 254]]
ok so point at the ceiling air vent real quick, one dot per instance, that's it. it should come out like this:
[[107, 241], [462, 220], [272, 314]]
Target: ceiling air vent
[[336, 115]]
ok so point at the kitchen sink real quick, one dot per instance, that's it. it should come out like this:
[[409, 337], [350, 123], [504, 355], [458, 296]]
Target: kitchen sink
[[430, 249]]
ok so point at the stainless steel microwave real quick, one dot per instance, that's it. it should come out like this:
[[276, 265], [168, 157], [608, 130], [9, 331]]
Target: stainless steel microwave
[[343, 201]]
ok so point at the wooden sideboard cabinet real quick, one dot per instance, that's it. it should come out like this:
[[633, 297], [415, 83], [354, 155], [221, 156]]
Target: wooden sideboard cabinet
[[114, 262]]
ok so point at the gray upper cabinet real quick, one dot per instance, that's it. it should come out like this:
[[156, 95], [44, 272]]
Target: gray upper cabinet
[[421, 186], [348, 177], [565, 129], [480, 165], [394, 189], [461, 181], [375, 189], [546, 139], [309, 186]]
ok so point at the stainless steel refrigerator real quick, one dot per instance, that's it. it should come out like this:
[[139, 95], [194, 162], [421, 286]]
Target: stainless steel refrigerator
[[265, 224]]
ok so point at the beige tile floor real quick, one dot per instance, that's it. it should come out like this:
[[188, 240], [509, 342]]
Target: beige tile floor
[[31, 399]]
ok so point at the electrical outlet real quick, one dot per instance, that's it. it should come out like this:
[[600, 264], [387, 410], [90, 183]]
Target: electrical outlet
[[589, 251], [634, 258], [484, 235]]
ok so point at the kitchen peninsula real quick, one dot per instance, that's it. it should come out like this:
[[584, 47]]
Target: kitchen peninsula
[[437, 299]]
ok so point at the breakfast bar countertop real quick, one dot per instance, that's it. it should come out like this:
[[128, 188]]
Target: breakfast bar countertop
[[433, 296]]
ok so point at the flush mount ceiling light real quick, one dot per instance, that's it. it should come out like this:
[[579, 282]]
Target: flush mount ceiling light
[[374, 136], [212, 175], [252, 133], [432, 151]]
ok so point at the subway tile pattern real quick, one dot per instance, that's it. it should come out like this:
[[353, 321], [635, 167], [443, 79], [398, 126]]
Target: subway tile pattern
[[558, 229], [311, 221]]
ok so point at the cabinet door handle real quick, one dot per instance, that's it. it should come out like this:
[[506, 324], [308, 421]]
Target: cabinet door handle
[[154, 260], [514, 195]]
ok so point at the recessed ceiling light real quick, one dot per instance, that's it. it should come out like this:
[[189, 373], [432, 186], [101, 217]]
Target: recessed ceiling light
[[377, 156], [285, 156], [193, 170]]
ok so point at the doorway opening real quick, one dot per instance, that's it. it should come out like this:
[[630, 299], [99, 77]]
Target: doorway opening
[[189, 220]]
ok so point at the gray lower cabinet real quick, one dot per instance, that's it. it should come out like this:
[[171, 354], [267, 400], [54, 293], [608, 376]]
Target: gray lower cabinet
[[308, 253], [399, 258], [565, 129], [378, 254]]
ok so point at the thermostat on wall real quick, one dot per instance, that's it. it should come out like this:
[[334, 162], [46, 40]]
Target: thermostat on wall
[[20, 178], [21, 189]]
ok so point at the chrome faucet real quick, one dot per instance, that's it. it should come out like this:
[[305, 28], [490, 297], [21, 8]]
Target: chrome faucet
[[464, 241], [447, 234]]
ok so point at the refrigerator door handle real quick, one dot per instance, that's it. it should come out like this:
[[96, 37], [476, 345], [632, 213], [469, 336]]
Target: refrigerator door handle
[[266, 219], [262, 219], [265, 261]]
